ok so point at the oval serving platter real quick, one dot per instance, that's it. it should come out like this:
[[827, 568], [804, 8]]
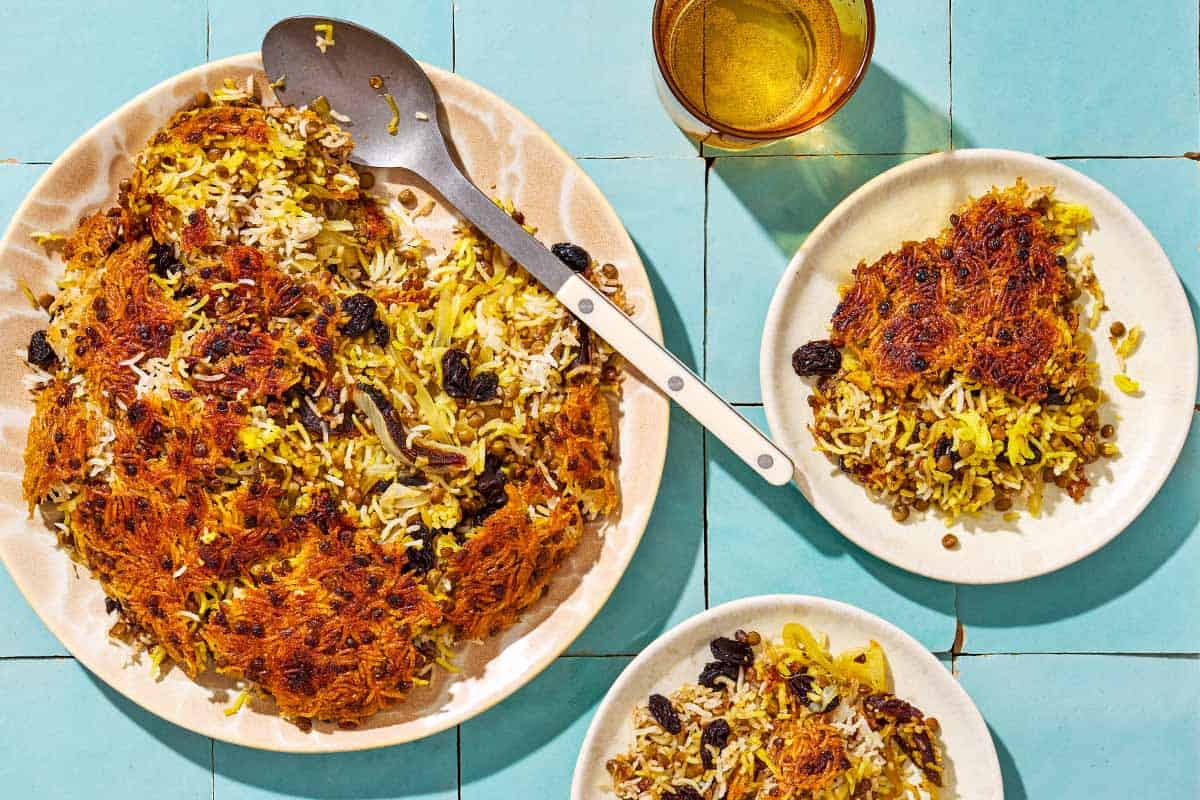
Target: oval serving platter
[[911, 202], [505, 154], [676, 657]]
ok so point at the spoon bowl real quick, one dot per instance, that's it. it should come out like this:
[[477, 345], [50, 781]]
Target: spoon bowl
[[343, 75]]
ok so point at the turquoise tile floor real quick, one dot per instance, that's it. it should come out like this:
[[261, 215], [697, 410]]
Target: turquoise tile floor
[[1089, 678]]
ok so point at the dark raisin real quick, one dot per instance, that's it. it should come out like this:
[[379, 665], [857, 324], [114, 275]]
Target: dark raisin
[[714, 670], [310, 419], [490, 486], [963, 272], [887, 706], [664, 713], [715, 735], [1023, 238], [484, 387], [41, 354], [572, 255], [421, 559], [383, 334], [218, 348], [685, 793], [1060, 261], [456, 374], [954, 220], [163, 256], [885, 306], [1054, 397], [111, 605], [800, 685], [832, 704], [360, 312], [918, 364], [921, 275], [416, 479], [994, 243], [818, 357], [943, 447], [731, 651], [947, 253], [1004, 335], [1022, 253]]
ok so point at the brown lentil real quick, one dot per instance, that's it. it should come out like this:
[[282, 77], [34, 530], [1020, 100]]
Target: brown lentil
[[1002, 503], [1117, 329], [921, 504], [899, 512], [966, 449], [949, 541], [1107, 431], [945, 464]]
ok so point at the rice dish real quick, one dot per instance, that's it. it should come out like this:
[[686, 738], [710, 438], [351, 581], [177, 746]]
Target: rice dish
[[782, 720], [956, 377], [293, 444]]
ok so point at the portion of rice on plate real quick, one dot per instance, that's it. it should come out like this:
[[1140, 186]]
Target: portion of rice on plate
[[957, 376], [294, 447], [782, 720]]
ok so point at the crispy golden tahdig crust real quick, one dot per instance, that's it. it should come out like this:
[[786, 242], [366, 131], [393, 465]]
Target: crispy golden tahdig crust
[[987, 298], [195, 426]]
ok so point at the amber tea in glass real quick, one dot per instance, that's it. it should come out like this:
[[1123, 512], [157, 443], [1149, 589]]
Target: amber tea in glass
[[740, 73]]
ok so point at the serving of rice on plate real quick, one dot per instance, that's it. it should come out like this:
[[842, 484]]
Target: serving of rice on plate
[[957, 377], [782, 719], [291, 445]]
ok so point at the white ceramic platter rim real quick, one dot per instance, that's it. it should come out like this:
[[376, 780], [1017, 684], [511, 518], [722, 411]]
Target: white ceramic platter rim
[[48, 580], [912, 201], [677, 656]]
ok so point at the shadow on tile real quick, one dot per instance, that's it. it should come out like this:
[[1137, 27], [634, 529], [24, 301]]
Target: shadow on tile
[[663, 583], [366, 775], [170, 735], [789, 505], [788, 198], [1014, 787], [528, 744], [883, 116]]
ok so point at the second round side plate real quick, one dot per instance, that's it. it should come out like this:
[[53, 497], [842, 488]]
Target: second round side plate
[[676, 657], [912, 202]]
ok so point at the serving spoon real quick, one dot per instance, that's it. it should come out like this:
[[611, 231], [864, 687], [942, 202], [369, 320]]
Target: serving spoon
[[415, 142]]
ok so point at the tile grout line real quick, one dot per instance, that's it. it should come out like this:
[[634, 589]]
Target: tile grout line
[[950, 66], [453, 39], [457, 759], [1186, 656], [889, 154], [208, 30], [37, 658], [708, 164], [1085, 157], [599, 655], [212, 766]]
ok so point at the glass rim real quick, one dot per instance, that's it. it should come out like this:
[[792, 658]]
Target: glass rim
[[773, 134]]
